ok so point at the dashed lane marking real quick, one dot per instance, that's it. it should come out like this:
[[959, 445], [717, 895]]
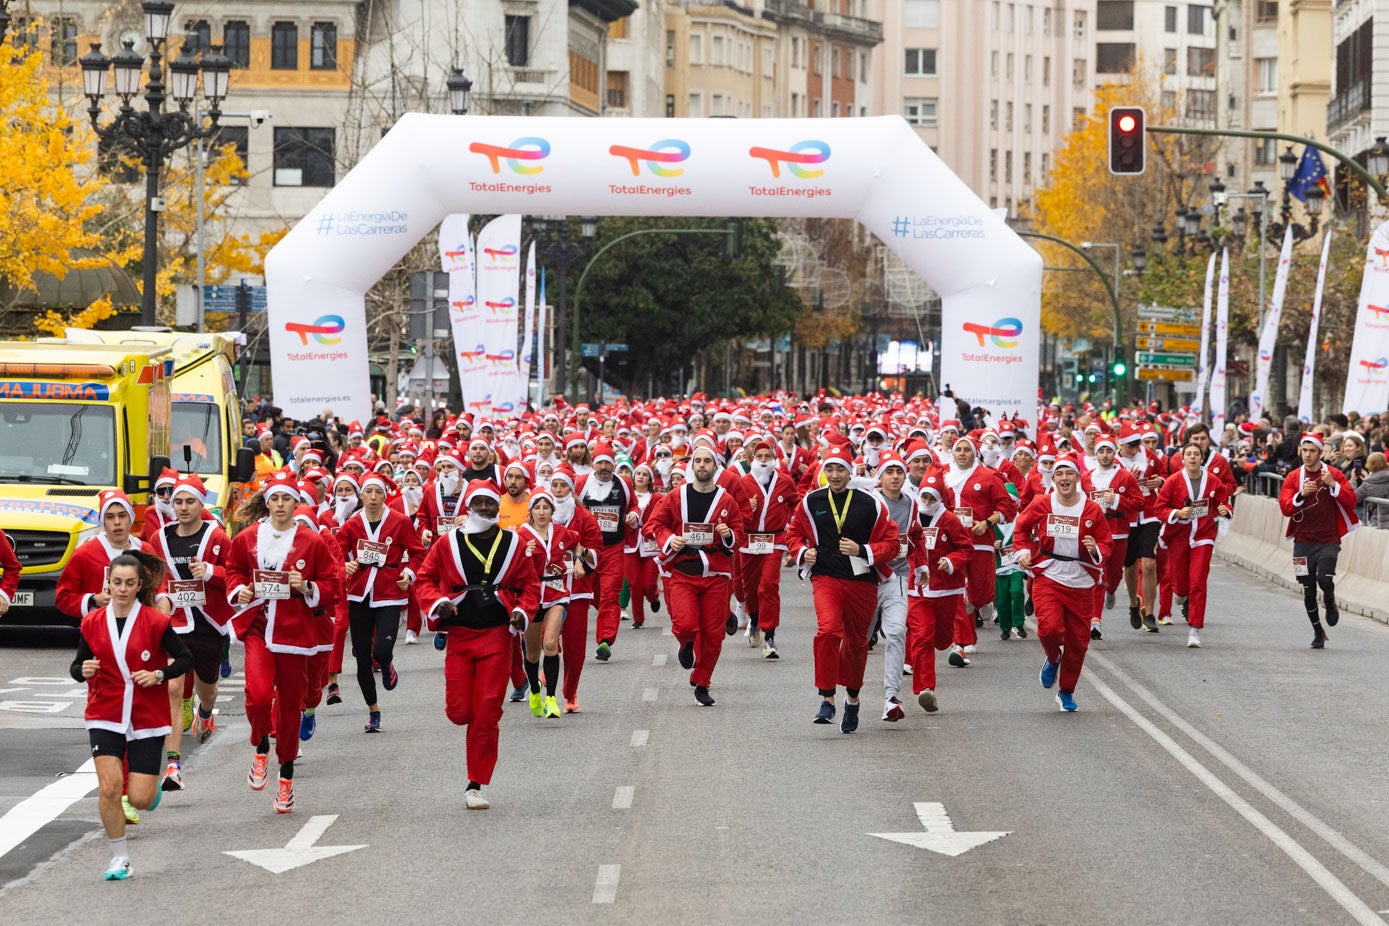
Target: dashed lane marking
[[605, 888]]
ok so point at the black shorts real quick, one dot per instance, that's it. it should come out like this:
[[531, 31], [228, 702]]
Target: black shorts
[[1143, 540], [1321, 560], [145, 756], [207, 654]]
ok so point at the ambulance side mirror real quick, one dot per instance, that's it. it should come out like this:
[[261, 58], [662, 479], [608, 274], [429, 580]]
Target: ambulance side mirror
[[136, 484], [245, 465]]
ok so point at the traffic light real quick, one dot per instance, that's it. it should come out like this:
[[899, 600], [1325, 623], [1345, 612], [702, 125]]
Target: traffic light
[[1119, 369], [1127, 146]]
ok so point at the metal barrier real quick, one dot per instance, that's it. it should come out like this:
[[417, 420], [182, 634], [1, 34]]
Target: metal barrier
[[1376, 512], [1270, 484]]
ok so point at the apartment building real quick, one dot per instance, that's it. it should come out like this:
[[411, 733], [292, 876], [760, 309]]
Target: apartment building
[[636, 50], [1358, 111], [1175, 41]]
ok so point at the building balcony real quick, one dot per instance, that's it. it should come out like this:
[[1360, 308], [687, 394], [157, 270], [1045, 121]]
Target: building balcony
[[846, 28], [1349, 103]]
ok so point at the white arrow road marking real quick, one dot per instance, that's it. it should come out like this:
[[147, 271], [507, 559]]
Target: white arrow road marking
[[298, 851], [940, 835], [31, 814]]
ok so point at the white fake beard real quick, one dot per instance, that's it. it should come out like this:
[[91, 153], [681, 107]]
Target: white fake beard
[[564, 509], [448, 482], [476, 523], [596, 489], [870, 454], [413, 495], [677, 441], [163, 507], [991, 456], [934, 509], [663, 466], [344, 507], [762, 472]]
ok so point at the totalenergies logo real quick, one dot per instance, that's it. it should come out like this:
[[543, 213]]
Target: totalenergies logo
[[506, 356], [505, 254], [504, 407], [1005, 332], [795, 158], [506, 306], [1381, 312], [473, 355], [323, 329], [1265, 356], [516, 155], [665, 151], [1376, 367], [458, 253]]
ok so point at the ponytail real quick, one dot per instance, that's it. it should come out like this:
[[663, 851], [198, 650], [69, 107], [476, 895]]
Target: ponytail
[[252, 509]]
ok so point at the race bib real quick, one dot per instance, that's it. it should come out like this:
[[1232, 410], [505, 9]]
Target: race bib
[[1063, 527], [699, 534], [188, 593], [1200, 508], [445, 524], [569, 562], [270, 585], [901, 546], [555, 578], [858, 564], [1097, 496], [761, 544], [931, 534], [1143, 487], [370, 553], [966, 516], [609, 518], [648, 545], [1007, 556], [1300, 566]]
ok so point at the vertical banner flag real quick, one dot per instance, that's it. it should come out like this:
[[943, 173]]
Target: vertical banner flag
[[1222, 345], [1268, 338], [1367, 379], [523, 384], [540, 322], [1203, 362], [456, 253], [1304, 396], [498, 283]]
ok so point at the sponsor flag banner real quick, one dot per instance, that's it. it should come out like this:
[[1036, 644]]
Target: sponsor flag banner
[[523, 385], [1268, 338], [1203, 368], [1222, 346], [456, 255], [1309, 364], [498, 288], [1367, 378]]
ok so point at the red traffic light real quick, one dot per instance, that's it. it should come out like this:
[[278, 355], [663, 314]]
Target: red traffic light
[[1127, 123], [1127, 143]]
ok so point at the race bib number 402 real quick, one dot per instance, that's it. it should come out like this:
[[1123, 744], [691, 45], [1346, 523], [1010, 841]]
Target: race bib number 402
[[188, 593]]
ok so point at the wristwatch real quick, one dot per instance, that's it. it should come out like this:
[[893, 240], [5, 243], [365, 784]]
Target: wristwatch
[[159, 674]]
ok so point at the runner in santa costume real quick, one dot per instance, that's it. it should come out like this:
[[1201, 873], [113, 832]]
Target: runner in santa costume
[[643, 578], [126, 653], [10, 568], [481, 584], [326, 619], [195, 552], [892, 591], [346, 500], [1189, 503], [771, 502], [161, 513], [442, 506], [845, 540], [613, 503], [1319, 504], [936, 595], [82, 585], [981, 501], [279, 570], [1116, 491], [381, 553], [552, 545], [697, 528], [1063, 538], [574, 633]]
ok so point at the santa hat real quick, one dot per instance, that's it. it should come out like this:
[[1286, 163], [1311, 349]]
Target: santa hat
[[603, 452], [575, 440], [482, 488], [520, 467], [282, 482], [385, 482], [933, 484], [478, 442], [1066, 461], [890, 458], [167, 477], [565, 472], [305, 516], [1130, 433], [541, 495], [1046, 448], [1311, 437], [966, 439], [1025, 446], [348, 478], [950, 424], [192, 485], [312, 456], [113, 497], [841, 454], [1106, 441]]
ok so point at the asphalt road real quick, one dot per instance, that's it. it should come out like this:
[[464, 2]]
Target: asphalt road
[[1240, 783]]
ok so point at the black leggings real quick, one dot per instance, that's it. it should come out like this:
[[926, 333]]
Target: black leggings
[[1321, 574], [144, 756], [367, 624]]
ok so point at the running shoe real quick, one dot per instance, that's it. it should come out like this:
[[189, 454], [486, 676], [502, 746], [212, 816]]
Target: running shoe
[[518, 694], [730, 626], [971, 649], [1333, 614], [118, 870], [685, 656], [927, 700], [571, 705], [826, 712], [259, 774], [1318, 642], [1066, 700], [334, 695], [655, 605], [1021, 631], [308, 723], [1095, 632], [1193, 638], [1006, 634], [1135, 617], [1048, 673], [626, 614], [892, 710], [537, 704], [1165, 621], [604, 652], [754, 636], [957, 657], [1109, 601], [1150, 623], [906, 668], [173, 776], [637, 625], [132, 816], [187, 714], [204, 727], [1027, 607], [440, 641], [701, 694], [552, 708], [474, 800], [225, 669], [373, 722], [769, 649], [849, 722], [284, 798], [411, 638]]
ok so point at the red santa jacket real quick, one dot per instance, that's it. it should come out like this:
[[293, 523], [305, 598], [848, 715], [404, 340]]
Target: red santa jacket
[[554, 560], [213, 550], [769, 509], [880, 546], [156, 521], [85, 575], [1037, 483], [637, 542], [444, 577], [1324, 517], [1033, 533], [796, 461], [10, 569], [979, 493], [942, 537], [403, 555], [332, 606], [114, 701], [583, 525], [287, 624], [672, 518], [433, 507], [629, 506], [1128, 497], [1175, 494]]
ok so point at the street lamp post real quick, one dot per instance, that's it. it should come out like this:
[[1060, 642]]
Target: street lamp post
[[156, 134], [458, 86], [559, 250], [1118, 346]]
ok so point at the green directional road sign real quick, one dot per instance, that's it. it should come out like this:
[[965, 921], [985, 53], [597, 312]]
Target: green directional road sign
[[1151, 359]]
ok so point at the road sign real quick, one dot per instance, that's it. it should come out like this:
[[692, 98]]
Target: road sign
[[1164, 313], [1166, 376], [1183, 344], [223, 298], [1180, 331], [591, 350], [1149, 359], [617, 348]]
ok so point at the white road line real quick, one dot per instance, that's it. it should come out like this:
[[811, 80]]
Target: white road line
[[605, 888], [622, 797], [648, 694], [1333, 886], [639, 738], [659, 659], [1338, 841], [34, 812]]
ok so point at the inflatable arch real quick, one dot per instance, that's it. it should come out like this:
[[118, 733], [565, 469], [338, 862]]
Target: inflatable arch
[[875, 170]]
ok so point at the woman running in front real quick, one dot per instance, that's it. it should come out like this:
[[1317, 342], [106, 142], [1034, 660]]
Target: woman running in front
[[1189, 504], [126, 652], [553, 546], [641, 551]]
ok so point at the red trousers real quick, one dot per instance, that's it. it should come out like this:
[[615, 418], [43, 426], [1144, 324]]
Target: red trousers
[[844, 611], [1063, 625], [317, 678], [1164, 602], [980, 579], [414, 619], [475, 669], [518, 667], [612, 569], [281, 678], [643, 581], [698, 610], [930, 626], [761, 574], [573, 644], [339, 641], [1113, 576], [1188, 569]]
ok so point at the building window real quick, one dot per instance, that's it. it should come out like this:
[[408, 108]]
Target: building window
[[323, 47], [1267, 11], [1008, 117], [1200, 62], [617, 89], [1046, 72], [1008, 72], [716, 58], [1265, 151], [1114, 15], [1011, 17], [1268, 74], [1080, 25], [921, 62], [236, 42], [284, 47], [818, 109], [1046, 21], [670, 106], [1007, 167], [1027, 117], [1046, 120], [1200, 104], [993, 114], [1196, 19], [834, 109], [619, 29], [1078, 71], [923, 14], [1027, 68], [1046, 166], [1027, 168], [1169, 19], [63, 40], [696, 103], [993, 165], [1077, 117], [920, 111], [1116, 57], [716, 105], [993, 64], [1169, 101], [1169, 61], [199, 36], [518, 41], [304, 157], [863, 71], [1027, 16], [816, 59], [834, 62], [696, 48], [670, 48]]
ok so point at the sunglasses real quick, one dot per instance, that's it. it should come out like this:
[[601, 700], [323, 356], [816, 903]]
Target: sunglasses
[[164, 490]]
